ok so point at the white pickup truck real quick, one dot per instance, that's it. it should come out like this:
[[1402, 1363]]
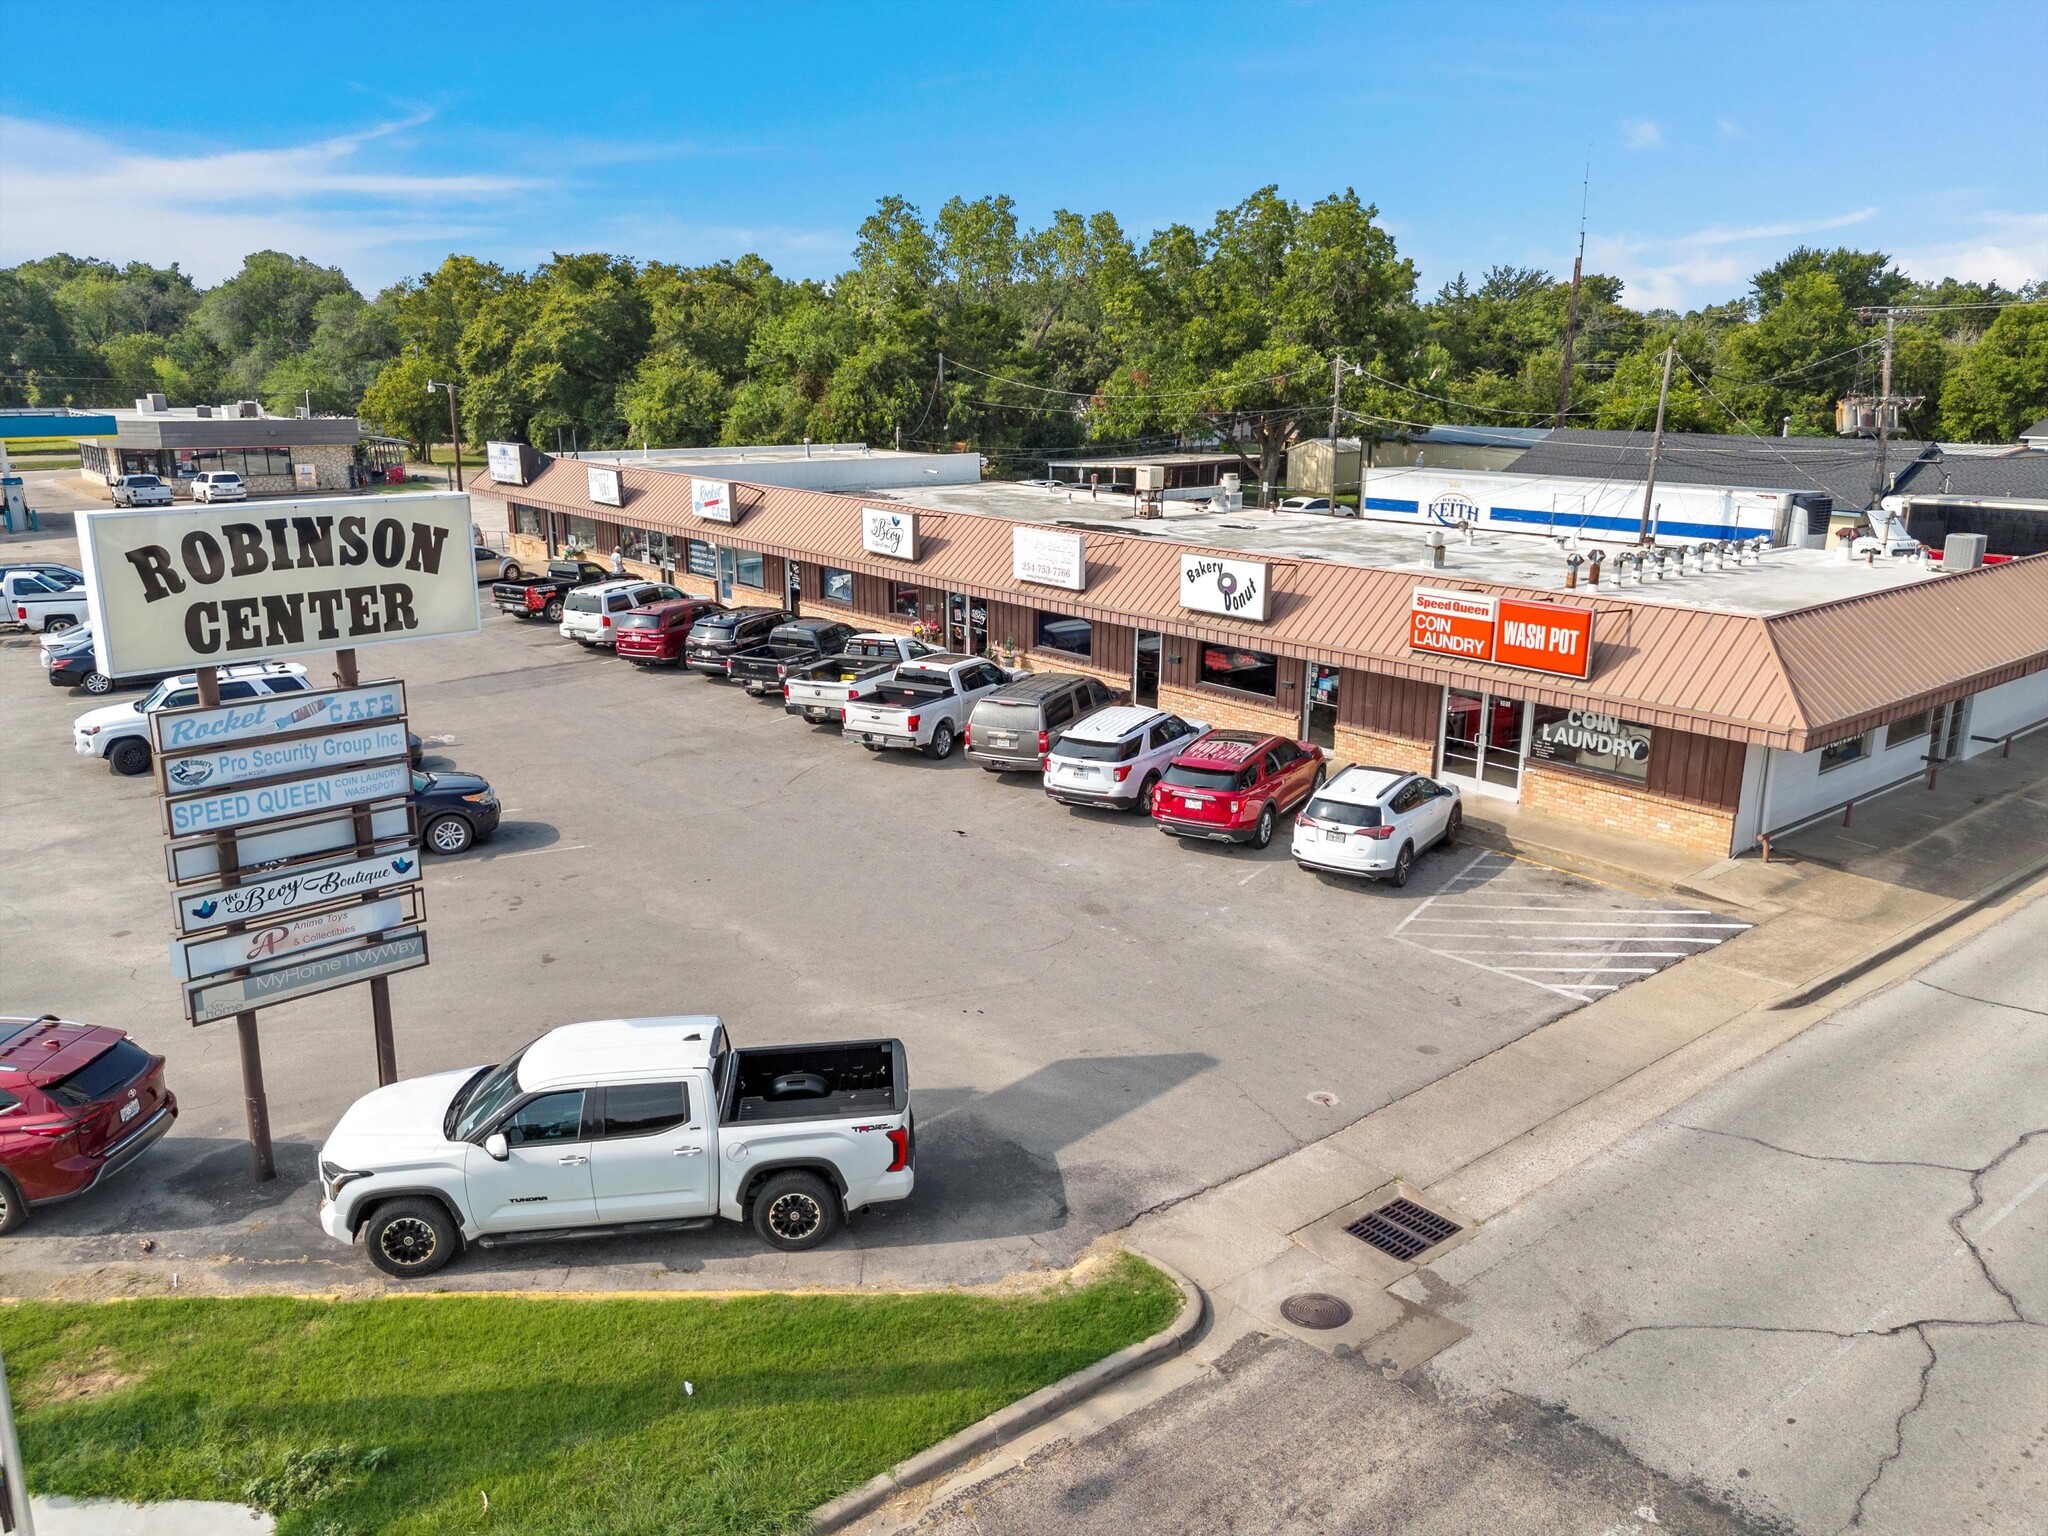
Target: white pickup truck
[[925, 705], [621, 1126], [822, 691], [39, 605]]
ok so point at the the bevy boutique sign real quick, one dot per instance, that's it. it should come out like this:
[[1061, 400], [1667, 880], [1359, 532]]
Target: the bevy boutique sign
[[209, 586], [1237, 589], [889, 531]]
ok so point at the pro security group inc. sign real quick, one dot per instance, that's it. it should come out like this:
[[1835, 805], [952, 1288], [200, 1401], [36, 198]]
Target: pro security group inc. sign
[[208, 586]]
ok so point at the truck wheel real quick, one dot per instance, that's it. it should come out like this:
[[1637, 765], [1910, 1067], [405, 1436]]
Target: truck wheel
[[795, 1211], [130, 757], [58, 625], [97, 683], [449, 834], [13, 1209], [410, 1238], [553, 612], [942, 741]]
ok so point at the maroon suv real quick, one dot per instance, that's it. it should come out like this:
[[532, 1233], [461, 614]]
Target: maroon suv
[[77, 1102]]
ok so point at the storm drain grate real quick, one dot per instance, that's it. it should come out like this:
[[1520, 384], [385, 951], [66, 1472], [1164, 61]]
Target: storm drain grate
[[1403, 1229]]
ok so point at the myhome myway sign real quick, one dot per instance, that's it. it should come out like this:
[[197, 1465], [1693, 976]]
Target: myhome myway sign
[[210, 586]]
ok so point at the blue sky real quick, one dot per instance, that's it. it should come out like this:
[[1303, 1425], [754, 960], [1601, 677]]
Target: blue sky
[[380, 137]]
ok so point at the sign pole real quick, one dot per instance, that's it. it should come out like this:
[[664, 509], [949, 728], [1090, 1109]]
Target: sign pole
[[15, 1513], [255, 1101], [380, 986]]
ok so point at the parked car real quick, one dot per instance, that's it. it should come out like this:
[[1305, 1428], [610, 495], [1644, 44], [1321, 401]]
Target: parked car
[[456, 810], [588, 613], [763, 669], [78, 1103], [78, 667], [925, 706], [219, 485], [1116, 757], [822, 691], [139, 491], [57, 575], [1376, 822], [540, 597], [491, 565], [1317, 504], [119, 733], [621, 1126], [1234, 786], [1012, 729], [714, 638], [39, 605], [653, 636]]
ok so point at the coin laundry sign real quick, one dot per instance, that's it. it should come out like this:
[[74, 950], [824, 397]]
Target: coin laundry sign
[[1472, 626], [291, 797], [1237, 589]]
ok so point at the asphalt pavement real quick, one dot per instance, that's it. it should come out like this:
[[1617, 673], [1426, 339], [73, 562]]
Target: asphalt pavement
[[1099, 1019]]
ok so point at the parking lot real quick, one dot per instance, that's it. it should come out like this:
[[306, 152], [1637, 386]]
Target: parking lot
[[1099, 1019]]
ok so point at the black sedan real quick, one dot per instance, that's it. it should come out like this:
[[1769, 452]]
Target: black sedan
[[456, 810]]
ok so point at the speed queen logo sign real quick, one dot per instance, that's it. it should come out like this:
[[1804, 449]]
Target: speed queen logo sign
[[1457, 624]]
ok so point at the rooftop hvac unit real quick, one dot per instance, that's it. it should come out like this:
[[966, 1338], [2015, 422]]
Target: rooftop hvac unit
[[202, 410], [249, 408], [1962, 552], [153, 401], [1151, 477]]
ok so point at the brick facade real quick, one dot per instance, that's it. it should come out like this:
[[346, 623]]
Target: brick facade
[[1375, 749], [1627, 809], [1225, 712]]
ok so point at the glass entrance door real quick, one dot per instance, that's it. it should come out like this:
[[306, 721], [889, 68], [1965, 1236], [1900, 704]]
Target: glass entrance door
[[1145, 671], [792, 586], [1485, 739], [966, 624], [728, 569], [1319, 713]]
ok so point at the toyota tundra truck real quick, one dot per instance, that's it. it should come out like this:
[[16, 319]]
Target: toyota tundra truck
[[619, 1126]]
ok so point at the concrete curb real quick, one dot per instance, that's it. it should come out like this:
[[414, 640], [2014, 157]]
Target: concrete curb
[[1841, 976], [1006, 1424]]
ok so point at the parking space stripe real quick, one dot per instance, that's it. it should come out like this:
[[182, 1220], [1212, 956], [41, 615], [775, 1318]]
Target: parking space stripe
[[1610, 946]]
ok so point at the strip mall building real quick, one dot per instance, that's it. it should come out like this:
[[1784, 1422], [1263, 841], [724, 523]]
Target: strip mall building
[[1700, 700]]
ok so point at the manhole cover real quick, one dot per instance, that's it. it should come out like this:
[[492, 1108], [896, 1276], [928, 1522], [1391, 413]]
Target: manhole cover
[[1403, 1229], [1313, 1309]]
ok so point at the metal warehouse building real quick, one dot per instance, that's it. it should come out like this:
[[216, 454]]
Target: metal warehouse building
[[1700, 696]]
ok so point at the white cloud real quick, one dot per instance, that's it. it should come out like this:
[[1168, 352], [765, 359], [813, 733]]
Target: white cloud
[[1703, 266], [2008, 248], [328, 199], [1728, 128], [1640, 133]]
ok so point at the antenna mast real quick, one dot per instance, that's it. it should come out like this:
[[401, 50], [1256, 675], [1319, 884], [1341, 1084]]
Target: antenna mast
[[1571, 317]]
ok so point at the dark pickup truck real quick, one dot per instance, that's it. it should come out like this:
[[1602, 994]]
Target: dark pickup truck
[[540, 597], [791, 647]]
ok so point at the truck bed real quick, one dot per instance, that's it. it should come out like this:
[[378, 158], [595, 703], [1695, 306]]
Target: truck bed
[[842, 670], [783, 1082]]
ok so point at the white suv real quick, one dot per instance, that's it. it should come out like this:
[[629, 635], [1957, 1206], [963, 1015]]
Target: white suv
[[1374, 822], [590, 614], [219, 485], [120, 732], [1114, 757]]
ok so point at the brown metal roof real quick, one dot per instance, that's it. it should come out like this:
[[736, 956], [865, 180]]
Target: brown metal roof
[[1795, 680]]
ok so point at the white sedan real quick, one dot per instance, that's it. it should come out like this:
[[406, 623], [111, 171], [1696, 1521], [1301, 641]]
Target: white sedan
[[1376, 822], [1114, 757], [1319, 505]]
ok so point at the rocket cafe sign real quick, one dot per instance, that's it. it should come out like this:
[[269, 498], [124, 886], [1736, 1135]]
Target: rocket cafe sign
[[1471, 626], [207, 586]]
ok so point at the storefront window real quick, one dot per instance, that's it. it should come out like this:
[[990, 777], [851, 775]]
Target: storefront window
[[582, 532], [703, 559], [1912, 728], [1836, 754], [748, 570], [246, 462], [526, 520], [835, 585], [1059, 632], [1591, 742], [903, 600], [1245, 671]]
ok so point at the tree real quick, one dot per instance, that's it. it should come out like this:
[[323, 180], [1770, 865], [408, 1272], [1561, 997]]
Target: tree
[[1865, 279], [1799, 358], [1630, 400], [398, 403], [38, 363], [265, 313], [1999, 387], [672, 400]]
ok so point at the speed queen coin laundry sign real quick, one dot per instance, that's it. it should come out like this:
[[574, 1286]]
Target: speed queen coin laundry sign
[[1475, 626], [293, 846]]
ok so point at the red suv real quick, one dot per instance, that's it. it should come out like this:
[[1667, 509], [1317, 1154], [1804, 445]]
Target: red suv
[[77, 1102], [654, 635], [1234, 786]]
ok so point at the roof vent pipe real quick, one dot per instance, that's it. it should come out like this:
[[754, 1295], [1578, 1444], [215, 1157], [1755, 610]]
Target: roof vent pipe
[[1434, 538], [1572, 563], [1593, 559], [1663, 561]]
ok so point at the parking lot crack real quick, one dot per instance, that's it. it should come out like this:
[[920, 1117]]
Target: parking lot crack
[[1989, 1002], [1955, 1222], [1827, 1157], [1898, 1448]]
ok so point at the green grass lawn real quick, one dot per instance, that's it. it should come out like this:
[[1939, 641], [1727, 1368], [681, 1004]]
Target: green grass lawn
[[401, 1414]]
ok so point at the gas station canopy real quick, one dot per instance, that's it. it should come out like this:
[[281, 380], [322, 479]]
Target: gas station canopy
[[22, 426]]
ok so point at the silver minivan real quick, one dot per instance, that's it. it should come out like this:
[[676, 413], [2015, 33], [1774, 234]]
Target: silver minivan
[[1013, 728]]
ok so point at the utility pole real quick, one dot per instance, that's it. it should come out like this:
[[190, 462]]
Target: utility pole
[[1571, 314], [454, 428], [1656, 445], [1336, 386], [1884, 410]]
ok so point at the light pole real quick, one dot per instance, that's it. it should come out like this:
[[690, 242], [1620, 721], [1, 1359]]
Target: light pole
[[454, 427]]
